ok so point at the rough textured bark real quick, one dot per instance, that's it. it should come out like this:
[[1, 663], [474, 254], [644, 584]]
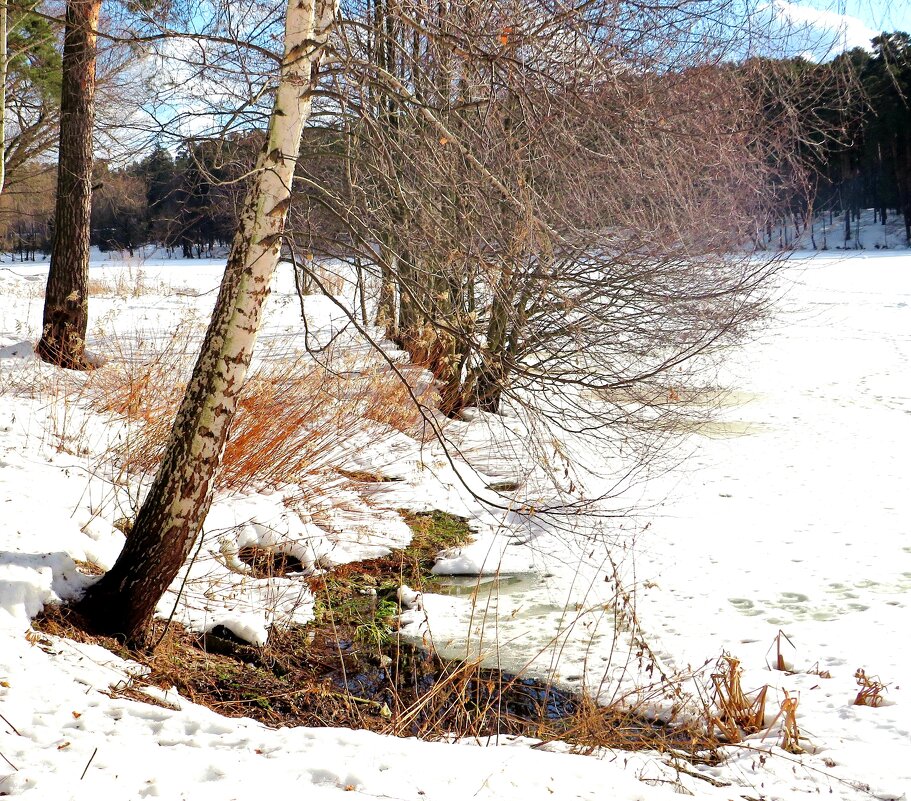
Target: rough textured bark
[[66, 303], [66, 299], [171, 517], [4, 63]]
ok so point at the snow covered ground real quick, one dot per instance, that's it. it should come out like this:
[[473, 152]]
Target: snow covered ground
[[790, 514]]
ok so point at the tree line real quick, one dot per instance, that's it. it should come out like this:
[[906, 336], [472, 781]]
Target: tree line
[[872, 167], [187, 205], [852, 122]]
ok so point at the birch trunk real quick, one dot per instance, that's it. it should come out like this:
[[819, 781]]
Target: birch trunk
[[4, 66], [66, 303], [171, 517]]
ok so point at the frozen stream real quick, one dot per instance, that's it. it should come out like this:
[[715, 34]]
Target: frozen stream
[[790, 513]]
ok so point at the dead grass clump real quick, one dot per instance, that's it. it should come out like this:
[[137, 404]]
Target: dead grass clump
[[363, 476], [89, 568], [738, 714], [871, 689], [323, 276], [790, 732], [125, 284], [265, 563], [100, 287], [292, 413], [320, 675], [235, 680], [144, 378], [817, 670], [592, 727], [290, 416]]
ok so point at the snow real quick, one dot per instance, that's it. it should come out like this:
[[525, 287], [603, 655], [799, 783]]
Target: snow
[[788, 514]]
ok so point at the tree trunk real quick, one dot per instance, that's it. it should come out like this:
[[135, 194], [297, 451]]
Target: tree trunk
[[66, 303], [171, 517], [387, 308], [4, 66]]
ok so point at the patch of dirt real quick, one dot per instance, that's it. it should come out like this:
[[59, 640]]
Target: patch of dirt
[[265, 563]]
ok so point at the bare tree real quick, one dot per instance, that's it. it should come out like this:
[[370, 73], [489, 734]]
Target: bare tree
[[552, 210], [553, 198]]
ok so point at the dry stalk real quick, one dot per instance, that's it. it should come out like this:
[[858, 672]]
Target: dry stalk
[[816, 670], [780, 662], [738, 714], [871, 689], [790, 733], [449, 694]]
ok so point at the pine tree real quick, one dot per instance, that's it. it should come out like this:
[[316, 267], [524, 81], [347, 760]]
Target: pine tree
[[66, 303]]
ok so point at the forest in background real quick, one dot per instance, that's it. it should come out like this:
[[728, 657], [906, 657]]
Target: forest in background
[[850, 117]]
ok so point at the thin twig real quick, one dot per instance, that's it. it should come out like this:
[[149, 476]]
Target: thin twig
[[6, 721], [85, 770], [8, 762]]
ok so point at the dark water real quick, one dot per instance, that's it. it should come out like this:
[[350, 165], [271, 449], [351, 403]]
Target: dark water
[[415, 674]]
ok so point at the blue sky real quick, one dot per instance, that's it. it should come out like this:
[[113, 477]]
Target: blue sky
[[820, 29]]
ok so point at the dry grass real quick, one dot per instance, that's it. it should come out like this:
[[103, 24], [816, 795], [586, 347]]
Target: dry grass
[[737, 713], [145, 374], [128, 283], [292, 412], [291, 415], [327, 278], [319, 675], [871, 689], [790, 732], [817, 670]]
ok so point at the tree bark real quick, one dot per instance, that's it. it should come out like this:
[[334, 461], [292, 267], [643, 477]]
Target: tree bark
[[123, 601], [4, 66], [66, 303], [387, 308]]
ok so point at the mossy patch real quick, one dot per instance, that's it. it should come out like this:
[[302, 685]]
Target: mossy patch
[[435, 531], [359, 600]]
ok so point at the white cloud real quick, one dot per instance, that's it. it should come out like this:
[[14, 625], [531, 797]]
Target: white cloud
[[820, 31]]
